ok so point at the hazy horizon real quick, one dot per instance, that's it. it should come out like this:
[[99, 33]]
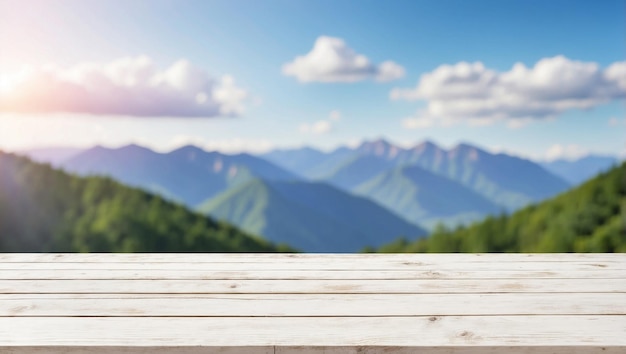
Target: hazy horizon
[[350, 145]]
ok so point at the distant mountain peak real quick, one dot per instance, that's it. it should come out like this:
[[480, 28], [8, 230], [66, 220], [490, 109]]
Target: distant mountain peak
[[381, 141], [309, 149], [376, 142], [133, 148], [245, 155], [470, 151], [188, 148], [464, 147], [379, 147], [98, 148], [426, 145], [189, 152]]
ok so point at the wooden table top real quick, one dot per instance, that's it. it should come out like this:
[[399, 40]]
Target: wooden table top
[[312, 303]]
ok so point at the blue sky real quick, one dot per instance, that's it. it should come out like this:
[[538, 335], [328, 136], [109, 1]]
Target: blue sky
[[266, 106]]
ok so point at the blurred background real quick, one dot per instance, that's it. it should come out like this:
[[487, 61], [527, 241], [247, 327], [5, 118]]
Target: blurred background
[[325, 126]]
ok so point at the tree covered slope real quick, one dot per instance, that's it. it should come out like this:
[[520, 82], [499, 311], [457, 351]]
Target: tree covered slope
[[43, 209], [590, 218]]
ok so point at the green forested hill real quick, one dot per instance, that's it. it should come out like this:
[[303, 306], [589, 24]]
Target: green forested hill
[[43, 209], [590, 218]]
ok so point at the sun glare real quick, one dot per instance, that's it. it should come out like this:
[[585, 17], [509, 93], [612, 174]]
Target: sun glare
[[6, 85], [10, 81]]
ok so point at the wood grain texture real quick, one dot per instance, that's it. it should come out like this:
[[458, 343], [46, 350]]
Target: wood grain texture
[[317, 331], [332, 265], [324, 286], [192, 274], [159, 349], [312, 303], [492, 258], [311, 350], [298, 305]]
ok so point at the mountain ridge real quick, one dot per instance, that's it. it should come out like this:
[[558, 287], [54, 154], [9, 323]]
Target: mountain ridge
[[188, 174], [314, 217], [423, 197], [509, 182]]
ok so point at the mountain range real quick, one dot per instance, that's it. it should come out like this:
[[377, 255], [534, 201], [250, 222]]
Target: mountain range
[[501, 182], [43, 209], [188, 175], [306, 197]]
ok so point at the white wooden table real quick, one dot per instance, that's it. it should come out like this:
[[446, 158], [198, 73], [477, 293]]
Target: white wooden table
[[255, 303]]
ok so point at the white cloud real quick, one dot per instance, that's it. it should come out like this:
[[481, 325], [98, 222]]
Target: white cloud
[[128, 86], [389, 71], [331, 60], [516, 123], [570, 152], [318, 127], [417, 122], [470, 92], [322, 126], [616, 72]]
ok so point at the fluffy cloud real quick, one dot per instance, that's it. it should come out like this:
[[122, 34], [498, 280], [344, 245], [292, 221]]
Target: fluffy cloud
[[472, 93], [128, 86], [569, 152], [417, 122], [331, 60], [319, 127], [322, 126]]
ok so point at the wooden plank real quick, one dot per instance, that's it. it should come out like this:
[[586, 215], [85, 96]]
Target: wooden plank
[[451, 350], [442, 331], [298, 274], [494, 258], [310, 265], [290, 305], [142, 350], [333, 286], [340, 304], [312, 350]]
